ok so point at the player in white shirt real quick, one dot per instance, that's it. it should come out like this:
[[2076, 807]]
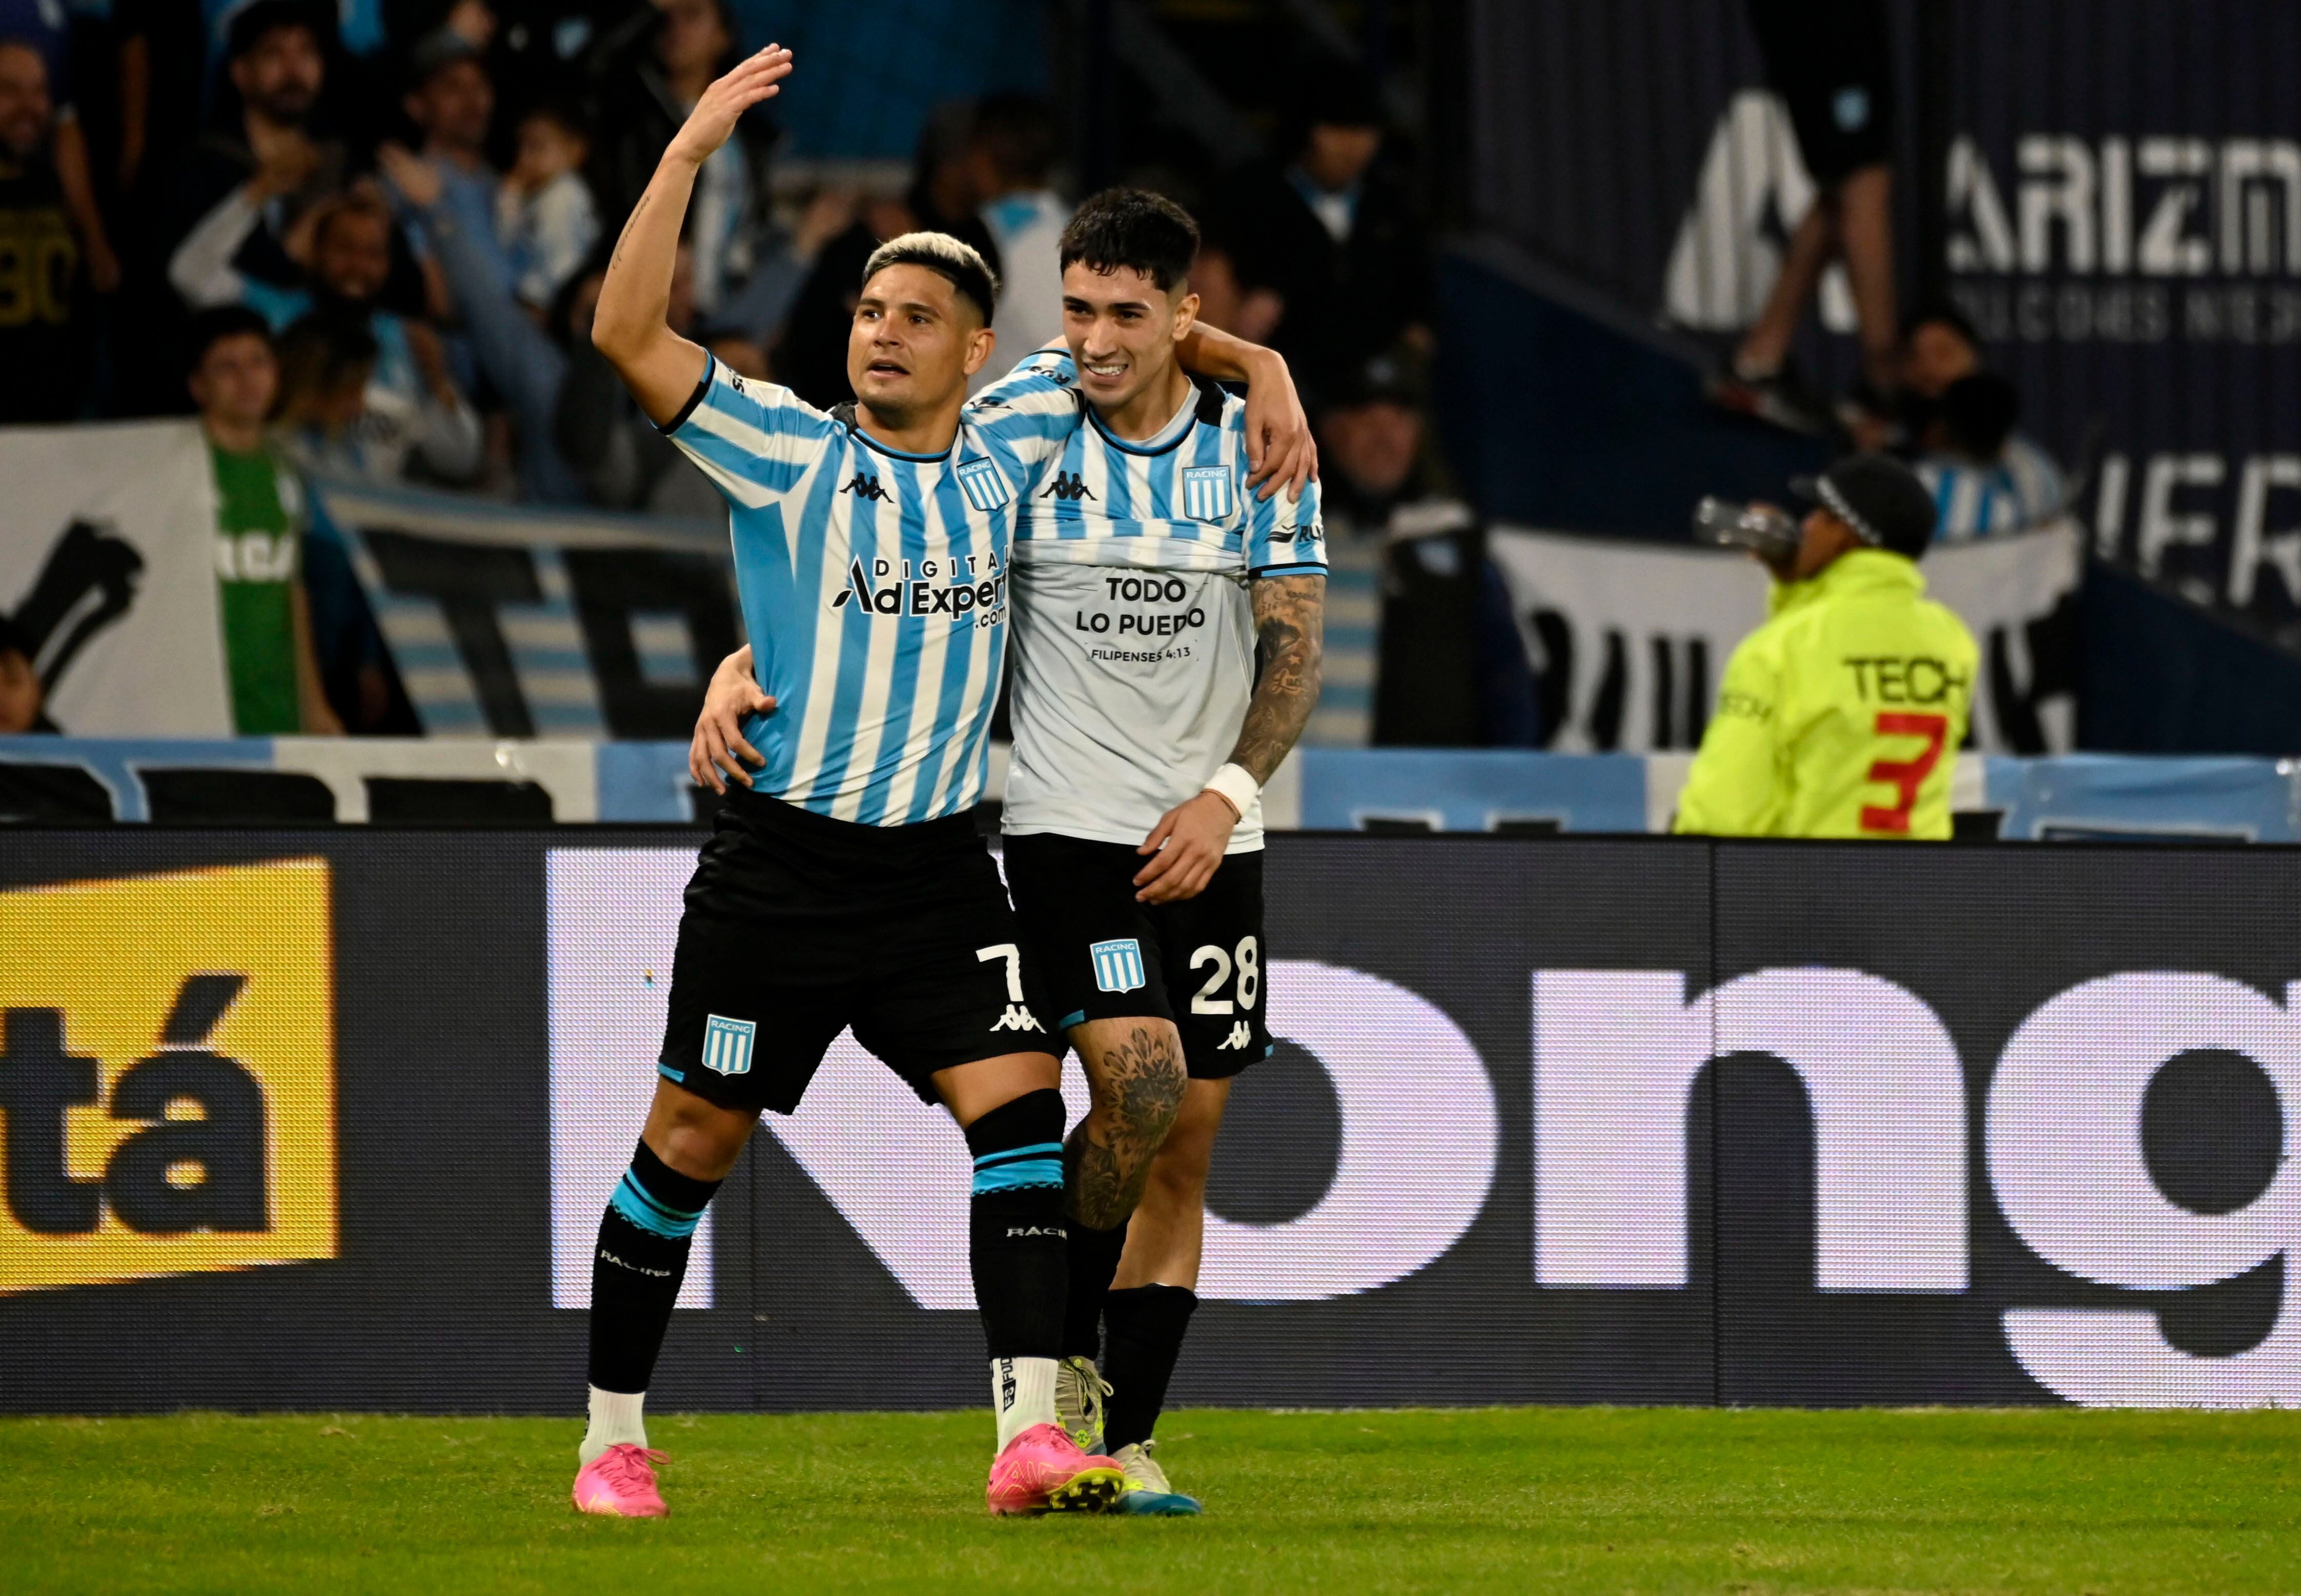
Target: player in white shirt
[[1168, 636]]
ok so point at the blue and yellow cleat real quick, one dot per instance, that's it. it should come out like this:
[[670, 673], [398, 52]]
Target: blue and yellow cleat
[[1146, 1493]]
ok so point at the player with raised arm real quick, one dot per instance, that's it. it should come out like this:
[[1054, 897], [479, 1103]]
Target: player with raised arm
[[848, 888], [1169, 627]]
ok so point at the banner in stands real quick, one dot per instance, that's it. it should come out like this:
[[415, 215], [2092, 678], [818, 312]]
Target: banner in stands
[[2120, 197], [509, 622], [1628, 640], [1634, 1120], [108, 552]]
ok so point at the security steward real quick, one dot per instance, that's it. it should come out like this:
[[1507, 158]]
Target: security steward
[[1842, 715]]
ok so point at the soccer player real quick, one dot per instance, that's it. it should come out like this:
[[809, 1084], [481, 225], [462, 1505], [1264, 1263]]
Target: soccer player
[[848, 889], [1168, 655]]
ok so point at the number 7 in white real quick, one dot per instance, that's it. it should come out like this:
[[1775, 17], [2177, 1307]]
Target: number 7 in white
[[1013, 954]]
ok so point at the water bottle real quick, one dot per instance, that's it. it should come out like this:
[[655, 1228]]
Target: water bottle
[[1765, 530]]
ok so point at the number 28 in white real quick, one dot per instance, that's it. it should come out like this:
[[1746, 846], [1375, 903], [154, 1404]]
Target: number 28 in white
[[1249, 976]]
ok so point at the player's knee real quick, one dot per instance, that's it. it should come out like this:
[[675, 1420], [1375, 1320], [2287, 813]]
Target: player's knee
[[1179, 1171], [697, 1139]]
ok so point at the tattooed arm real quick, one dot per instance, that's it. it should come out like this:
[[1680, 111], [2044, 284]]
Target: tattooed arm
[[1290, 623], [1290, 632]]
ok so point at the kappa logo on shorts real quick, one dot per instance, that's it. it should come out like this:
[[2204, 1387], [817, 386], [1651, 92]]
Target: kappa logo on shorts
[[1118, 965], [1206, 492], [727, 1044], [1241, 1037]]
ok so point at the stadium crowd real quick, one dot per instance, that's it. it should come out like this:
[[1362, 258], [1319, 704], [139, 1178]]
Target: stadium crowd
[[412, 201]]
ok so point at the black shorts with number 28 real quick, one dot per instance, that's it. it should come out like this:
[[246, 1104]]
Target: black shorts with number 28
[[1099, 955]]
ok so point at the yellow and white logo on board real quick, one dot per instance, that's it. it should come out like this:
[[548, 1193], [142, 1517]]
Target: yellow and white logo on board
[[167, 1074]]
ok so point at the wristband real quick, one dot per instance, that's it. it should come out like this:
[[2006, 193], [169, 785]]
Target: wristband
[[1237, 786]]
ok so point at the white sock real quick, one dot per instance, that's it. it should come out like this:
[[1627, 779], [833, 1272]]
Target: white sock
[[617, 1418], [1022, 1394]]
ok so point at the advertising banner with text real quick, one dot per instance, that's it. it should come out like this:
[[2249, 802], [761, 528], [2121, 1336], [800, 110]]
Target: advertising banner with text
[[2119, 183], [327, 1120]]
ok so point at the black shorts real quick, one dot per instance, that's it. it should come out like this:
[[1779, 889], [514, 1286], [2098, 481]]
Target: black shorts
[[798, 926], [1101, 955], [1833, 66]]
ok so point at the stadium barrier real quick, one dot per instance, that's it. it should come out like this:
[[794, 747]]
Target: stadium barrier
[[465, 781], [324, 1119]]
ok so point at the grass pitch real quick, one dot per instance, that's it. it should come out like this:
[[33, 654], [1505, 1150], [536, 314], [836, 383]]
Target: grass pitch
[[1552, 1500]]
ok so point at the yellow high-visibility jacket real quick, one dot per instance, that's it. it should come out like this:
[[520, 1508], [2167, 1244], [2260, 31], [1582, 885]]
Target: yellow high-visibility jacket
[[1841, 716]]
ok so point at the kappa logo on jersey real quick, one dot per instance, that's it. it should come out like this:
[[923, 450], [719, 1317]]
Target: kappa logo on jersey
[[984, 487], [865, 487], [167, 1075], [1118, 965], [1069, 486], [1241, 1037], [1205, 493], [933, 590], [727, 1044]]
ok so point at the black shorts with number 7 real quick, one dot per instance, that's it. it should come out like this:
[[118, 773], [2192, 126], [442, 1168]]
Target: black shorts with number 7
[[1099, 955]]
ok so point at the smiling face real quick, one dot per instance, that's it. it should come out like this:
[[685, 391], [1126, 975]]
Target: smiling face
[[914, 342], [351, 253], [1122, 327]]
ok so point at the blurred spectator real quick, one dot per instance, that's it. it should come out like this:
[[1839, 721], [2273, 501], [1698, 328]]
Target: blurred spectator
[[452, 103], [326, 360], [23, 698], [536, 52], [623, 459], [1331, 232], [579, 435], [544, 214], [694, 43], [1011, 156], [810, 352], [43, 27], [261, 512], [1985, 478], [1224, 302], [43, 330], [1831, 61], [410, 408], [1421, 648], [253, 177]]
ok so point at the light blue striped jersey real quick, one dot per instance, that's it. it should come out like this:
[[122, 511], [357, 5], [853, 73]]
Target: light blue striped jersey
[[2020, 489], [1178, 502], [874, 589]]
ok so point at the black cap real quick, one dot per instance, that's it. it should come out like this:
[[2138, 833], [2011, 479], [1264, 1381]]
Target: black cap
[[435, 52], [1386, 379], [250, 23], [1879, 498]]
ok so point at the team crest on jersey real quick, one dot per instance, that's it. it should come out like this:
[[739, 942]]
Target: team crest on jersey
[[1205, 493], [984, 487], [727, 1044], [1118, 965]]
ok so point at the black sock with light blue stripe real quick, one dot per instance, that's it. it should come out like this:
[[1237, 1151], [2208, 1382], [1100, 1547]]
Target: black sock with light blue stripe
[[635, 1273], [1014, 1226]]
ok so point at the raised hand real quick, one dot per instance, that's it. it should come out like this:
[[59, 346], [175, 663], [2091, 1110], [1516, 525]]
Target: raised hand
[[712, 122]]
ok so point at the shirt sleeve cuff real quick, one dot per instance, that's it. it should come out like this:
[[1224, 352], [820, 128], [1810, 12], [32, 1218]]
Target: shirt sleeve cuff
[[710, 363]]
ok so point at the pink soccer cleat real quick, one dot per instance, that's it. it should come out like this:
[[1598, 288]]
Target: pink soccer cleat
[[1043, 1471], [619, 1482]]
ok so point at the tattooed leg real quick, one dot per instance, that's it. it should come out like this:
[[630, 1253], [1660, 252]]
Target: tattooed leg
[[1134, 1070], [1134, 1074]]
